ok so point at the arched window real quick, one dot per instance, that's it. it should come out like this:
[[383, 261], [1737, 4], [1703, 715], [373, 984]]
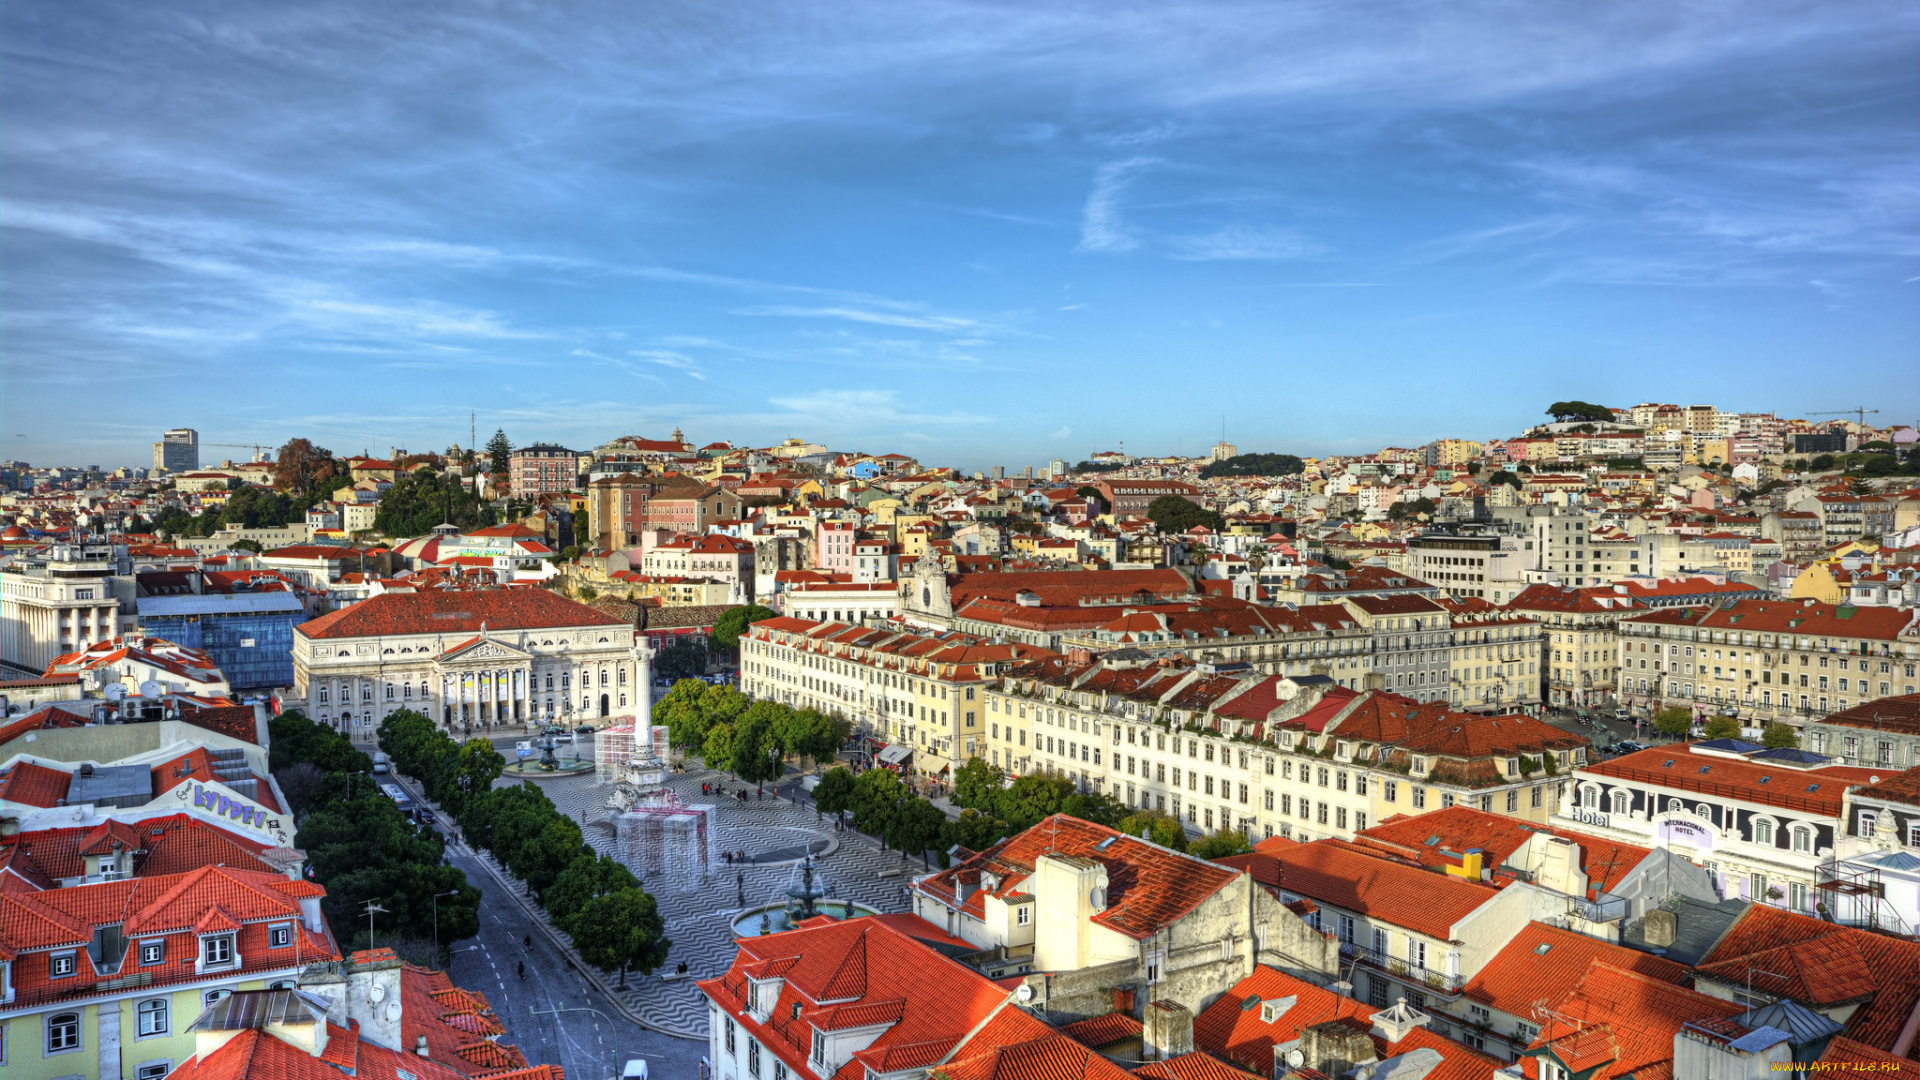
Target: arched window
[[389, 691], [153, 1017], [215, 995], [621, 678], [1703, 812], [63, 1032], [1802, 840], [1763, 830], [1622, 802]]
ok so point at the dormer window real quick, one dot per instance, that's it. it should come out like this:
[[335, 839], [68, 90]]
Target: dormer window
[[60, 965], [153, 952], [280, 936], [217, 951]]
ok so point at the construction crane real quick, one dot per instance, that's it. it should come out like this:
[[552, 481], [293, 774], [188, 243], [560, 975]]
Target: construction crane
[[255, 447], [1858, 412]]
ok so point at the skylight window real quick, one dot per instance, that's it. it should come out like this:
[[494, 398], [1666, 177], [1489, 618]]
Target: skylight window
[[1541, 949], [1667, 764]]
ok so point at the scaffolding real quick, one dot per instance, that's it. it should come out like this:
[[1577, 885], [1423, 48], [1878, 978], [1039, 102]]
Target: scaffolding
[[612, 749], [668, 843], [1854, 895]]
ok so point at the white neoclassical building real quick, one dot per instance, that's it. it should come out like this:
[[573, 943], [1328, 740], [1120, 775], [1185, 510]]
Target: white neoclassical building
[[473, 661]]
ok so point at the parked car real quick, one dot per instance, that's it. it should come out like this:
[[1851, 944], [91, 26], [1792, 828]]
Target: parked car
[[382, 764], [1627, 746], [424, 816], [585, 729], [635, 1069]]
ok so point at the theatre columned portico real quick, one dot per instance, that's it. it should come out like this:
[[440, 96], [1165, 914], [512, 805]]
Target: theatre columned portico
[[471, 661]]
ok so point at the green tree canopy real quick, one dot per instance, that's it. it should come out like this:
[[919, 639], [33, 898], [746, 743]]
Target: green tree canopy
[[419, 501], [1673, 721], [974, 831], [1155, 826], [834, 793], [1255, 465], [1564, 411], [499, 457], [1175, 514], [1776, 736], [684, 658], [1097, 807], [718, 748], [756, 750], [294, 738], [876, 793], [584, 878], [734, 621], [915, 826], [621, 931], [1033, 798], [977, 785], [1219, 845], [1722, 727]]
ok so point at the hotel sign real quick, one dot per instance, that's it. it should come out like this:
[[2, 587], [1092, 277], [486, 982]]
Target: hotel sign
[[1687, 830]]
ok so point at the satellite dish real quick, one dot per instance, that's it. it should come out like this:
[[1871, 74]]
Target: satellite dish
[[115, 692], [1296, 1058], [393, 1011], [1024, 994], [149, 688], [378, 993]]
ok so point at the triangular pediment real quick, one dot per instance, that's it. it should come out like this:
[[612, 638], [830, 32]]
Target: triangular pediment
[[484, 649]]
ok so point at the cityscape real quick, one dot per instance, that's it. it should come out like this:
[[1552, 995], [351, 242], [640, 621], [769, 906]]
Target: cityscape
[[959, 541]]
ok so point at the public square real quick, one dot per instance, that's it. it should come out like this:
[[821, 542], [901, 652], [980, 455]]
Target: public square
[[661, 1016]]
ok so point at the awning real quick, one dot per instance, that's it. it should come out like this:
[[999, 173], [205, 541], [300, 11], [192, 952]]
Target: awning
[[895, 754]]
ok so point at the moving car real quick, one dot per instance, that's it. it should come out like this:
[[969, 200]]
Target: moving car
[[635, 1069], [585, 729], [1627, 746]]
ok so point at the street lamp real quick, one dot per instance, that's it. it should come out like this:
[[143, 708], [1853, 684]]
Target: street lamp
[[436, 917]]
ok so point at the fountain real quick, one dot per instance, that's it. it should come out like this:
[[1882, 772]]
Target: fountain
[[803, 902]]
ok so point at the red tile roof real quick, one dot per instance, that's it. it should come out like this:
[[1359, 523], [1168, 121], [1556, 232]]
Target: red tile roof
[[1853, 1058], [31, 784], [1148, 887], [1628, 1021], [1098, 1031], [454, 613], [1544, 964], [1820, 964], [1440, 837], [1336, 875], [1195, 1066], [1053, 1057], [1817, 791], [1804, 619]]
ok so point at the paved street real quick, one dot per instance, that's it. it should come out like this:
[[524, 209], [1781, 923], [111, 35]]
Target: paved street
[[770, 829]]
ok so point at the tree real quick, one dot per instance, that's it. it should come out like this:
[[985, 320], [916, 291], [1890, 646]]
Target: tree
[[499, 458], [542, 857], [974, 831], [876, 793], [1822, 462], [1512, 480], [585, 878], [1220, 845], [1176, 514], [977, 785], [1674, 721], [755, 753], [685, 658], [1097, 807], [718, 748], [1777, 735], [420, 501], [1156, 827], [482, 813], [1580, 410], [295, 739], [734, 622], [620, 931], [470, 774], [1722, 727], [1404, 508], [301, 467], [1254, 465], [834, 793], [1034, 798], [1096, 502], [915, 826], [811, 735]]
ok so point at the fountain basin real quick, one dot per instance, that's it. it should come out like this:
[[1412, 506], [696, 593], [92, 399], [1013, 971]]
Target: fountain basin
[[748, 922]]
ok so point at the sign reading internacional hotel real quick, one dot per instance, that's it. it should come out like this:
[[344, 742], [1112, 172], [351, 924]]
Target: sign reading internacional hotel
[[1687, 831]]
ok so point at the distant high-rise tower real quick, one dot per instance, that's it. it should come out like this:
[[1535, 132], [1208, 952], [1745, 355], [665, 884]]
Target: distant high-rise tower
[[1224, 450], [177, 451], [1056, 468], [999, 472]]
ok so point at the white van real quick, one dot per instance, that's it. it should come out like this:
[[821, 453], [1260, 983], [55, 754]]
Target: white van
[[382, 764]]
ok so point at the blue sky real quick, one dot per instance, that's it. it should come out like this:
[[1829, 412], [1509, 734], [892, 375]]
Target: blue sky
[[978, 233]]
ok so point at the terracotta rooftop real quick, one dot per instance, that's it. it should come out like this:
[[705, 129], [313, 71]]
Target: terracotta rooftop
[[455, 613]]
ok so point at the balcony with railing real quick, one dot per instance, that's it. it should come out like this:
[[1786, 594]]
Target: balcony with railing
[[1405, 970]]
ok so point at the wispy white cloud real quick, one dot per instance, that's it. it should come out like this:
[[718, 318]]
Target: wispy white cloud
[[951, 323], [1243, 242], [1063, 432], [1103, 227], [669, 359]]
